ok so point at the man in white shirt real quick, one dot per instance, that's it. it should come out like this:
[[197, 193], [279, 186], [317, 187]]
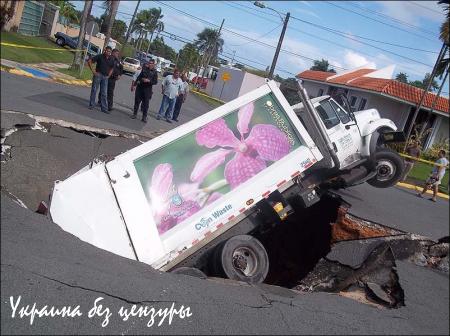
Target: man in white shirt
[[437, 174], [171, 88], [181, 97]]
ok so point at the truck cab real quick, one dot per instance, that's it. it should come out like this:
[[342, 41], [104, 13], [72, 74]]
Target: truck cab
[[358, 141]]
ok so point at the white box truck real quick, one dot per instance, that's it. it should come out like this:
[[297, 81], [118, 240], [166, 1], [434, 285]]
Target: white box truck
[[195, 196]]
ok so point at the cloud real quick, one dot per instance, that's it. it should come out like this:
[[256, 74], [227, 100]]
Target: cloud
[[354, 60], [306, 3]]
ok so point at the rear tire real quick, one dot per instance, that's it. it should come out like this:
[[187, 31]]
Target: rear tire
[[389, 167], [60, 41], [242, 258], [191, 271]]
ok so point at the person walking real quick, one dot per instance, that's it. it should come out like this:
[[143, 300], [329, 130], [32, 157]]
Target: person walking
[[171, 88], [437, 174], [181, 97], [143, 81], [412, 150], [116, 74], [103, 70]]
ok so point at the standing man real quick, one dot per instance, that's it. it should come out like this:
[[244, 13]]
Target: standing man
[[143, 81], [437, 174], [181, 97], [117, 72], [412, 150], [171, 87], [103, 70]]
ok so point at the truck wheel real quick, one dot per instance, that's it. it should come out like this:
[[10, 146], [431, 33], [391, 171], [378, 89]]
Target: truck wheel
[[389, 167], [191, 271], [60, 41], [243, 258]]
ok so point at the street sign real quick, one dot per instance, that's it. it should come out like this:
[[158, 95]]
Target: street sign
[[226, 76]]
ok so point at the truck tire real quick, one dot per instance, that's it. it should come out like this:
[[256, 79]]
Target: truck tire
[[242, 258], [389, 166], [191, 271], [60, 41]]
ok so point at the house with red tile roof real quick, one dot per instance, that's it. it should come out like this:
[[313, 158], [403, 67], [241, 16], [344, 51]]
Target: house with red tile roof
[[371, 88]]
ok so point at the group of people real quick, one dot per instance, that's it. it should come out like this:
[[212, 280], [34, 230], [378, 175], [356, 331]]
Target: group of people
[[108, 70]]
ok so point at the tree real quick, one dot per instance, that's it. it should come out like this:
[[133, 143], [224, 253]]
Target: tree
[[188, 57], [111, 10], [209, 43], [289, 89], [444, 64], [151, 19], [77, 59], [402, 77], [424, 83], [322, 65], [159, 48], [67, 10], [6, 13], [118, 30]]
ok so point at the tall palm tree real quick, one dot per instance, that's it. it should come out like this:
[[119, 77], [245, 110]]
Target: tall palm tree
[[111, 11], [444, 64], [67, 10], [209, 42], [152, 21]]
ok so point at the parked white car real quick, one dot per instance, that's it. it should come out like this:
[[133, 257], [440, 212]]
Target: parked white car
[[131, 65]]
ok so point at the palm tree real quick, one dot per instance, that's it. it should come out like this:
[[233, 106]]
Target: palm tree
[[402, 77], [209, 43], [67, 10], [443, 66], [151, 20], [111, 7]]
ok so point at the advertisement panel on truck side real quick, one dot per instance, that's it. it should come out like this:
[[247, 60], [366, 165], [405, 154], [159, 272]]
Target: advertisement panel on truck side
[[178, 188]]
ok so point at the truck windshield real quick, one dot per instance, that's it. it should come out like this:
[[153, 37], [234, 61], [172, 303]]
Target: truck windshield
[[343, 115], [327, 114]]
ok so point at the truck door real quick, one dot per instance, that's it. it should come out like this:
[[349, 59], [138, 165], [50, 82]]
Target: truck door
[[345, 140]]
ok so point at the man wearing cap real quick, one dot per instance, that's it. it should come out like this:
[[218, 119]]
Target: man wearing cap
[[143, 81]]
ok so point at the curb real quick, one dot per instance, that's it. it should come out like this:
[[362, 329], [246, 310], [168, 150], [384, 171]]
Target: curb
[[61, 80], [205, 95], [413, 187]]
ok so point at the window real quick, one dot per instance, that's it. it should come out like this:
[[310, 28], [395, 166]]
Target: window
[[320, 93], [353, 100], [362, 104], [342, 114], [327, 114]]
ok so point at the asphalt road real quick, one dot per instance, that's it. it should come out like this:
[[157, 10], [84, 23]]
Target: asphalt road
[[399, 208], [47, 266], [70, 103]]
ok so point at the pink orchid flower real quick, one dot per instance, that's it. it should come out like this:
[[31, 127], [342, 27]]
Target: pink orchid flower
[[171, 204], [251, 154]]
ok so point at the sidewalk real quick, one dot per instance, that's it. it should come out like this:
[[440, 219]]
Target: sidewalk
[[45, 71], [418, 189]]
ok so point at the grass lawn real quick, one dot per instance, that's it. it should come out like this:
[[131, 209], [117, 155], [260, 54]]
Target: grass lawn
[[25, 55], [211, 102], [87, 73], [421, 172]]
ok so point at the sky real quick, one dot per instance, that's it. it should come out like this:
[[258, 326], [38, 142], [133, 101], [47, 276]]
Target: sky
[[348, 34]]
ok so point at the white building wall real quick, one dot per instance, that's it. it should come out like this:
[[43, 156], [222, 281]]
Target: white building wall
[[230, 89], [251, 82], [313, 88]]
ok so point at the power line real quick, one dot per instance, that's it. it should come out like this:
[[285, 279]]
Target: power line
[[240, 35], [430, 9], [385, 23], [238, 45], [394, 19]]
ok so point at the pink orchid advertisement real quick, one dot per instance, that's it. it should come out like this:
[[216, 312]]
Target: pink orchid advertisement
[[199, 168]]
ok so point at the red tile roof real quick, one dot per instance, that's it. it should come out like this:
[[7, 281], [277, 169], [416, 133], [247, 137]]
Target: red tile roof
[[388, 87], [344, 79]]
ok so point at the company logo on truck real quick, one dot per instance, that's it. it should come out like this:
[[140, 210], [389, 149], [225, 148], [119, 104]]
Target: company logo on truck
[[205, 222]]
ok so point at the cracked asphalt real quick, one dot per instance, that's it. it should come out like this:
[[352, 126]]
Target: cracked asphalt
[[45, 265]]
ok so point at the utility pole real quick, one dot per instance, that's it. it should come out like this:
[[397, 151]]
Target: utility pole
[[130, 26], [416, 112], [113, 6], [79, 54], [280, 41]]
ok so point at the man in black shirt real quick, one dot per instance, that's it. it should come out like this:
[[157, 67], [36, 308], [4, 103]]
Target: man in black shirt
[[117, 72], [103, 70], [143, 82]]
